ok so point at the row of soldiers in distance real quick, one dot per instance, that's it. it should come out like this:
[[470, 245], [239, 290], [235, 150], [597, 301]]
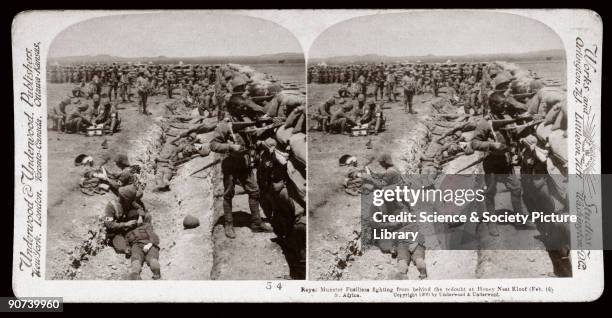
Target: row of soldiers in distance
[[252, 158], [109, 73], [206, 87], [147, 79], [465, 83], [392, 73]]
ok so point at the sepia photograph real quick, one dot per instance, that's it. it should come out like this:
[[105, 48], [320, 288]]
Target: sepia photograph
[[307, 156], [392, 96], [176, 148]]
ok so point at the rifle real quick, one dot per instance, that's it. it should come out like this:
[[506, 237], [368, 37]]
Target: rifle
[[479, 160], [499, 123], [450, 158], [214, 162], [534, 122]]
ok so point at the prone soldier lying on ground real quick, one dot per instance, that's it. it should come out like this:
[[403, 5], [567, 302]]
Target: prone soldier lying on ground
[[200, 129], [171, 156]]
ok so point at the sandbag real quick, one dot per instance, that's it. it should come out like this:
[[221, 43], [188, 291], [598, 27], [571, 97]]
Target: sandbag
[[298, 146], [293, 118], [297, 186], [556, 140], [544, 100], [284, 134], [300, 126]]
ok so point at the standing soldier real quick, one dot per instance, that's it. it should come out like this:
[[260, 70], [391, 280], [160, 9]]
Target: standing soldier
[[125, 87], [113, 83], [142, 85], [379, 85], [236, 168], [409, 87], [169, 83], [390, 86], [436, 77], [497, 164]]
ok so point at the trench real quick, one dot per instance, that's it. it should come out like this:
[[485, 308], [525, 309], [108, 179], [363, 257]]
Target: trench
[[184, 254], [411, 138], [202, 253]]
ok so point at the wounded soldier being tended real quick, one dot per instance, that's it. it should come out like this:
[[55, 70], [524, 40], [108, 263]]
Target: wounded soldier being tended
[[123, 214], [109, 118], [144, 247]]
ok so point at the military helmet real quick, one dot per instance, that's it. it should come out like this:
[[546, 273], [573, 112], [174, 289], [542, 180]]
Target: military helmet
[[129, 193], [385, 159], [190, 222]]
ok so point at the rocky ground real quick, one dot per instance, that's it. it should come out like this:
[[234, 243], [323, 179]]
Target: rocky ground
[[75, 250]]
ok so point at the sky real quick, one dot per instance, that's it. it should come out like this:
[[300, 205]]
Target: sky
[[438, 33], [174, 34]]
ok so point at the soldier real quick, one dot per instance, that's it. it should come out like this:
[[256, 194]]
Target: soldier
[[113, 83], [59, 114], [125, 87], [97, 84], [109, 117], [169, 82], [123, 214], [144, 247], [379, 85], [322, 114], [390, 83], [238, 105], [78, 119], [271, 179], [409, 87], [497, 165], [373, 116], [236, 168], [341, 120], [436, 78], [407, 251], [142, 85]]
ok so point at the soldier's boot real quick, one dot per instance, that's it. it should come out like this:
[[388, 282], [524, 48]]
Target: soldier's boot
[[257, 224], [135, 268], [402, 270], [229, 230], [260, 226], [420, 265], [229, 219], [492, 226], [155, 269], [325, 126]]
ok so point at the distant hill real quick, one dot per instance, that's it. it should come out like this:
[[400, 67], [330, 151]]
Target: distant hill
[[374, 58], [288, 58]]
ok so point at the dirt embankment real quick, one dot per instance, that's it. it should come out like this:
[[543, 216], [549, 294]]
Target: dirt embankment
[[334, 248]]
